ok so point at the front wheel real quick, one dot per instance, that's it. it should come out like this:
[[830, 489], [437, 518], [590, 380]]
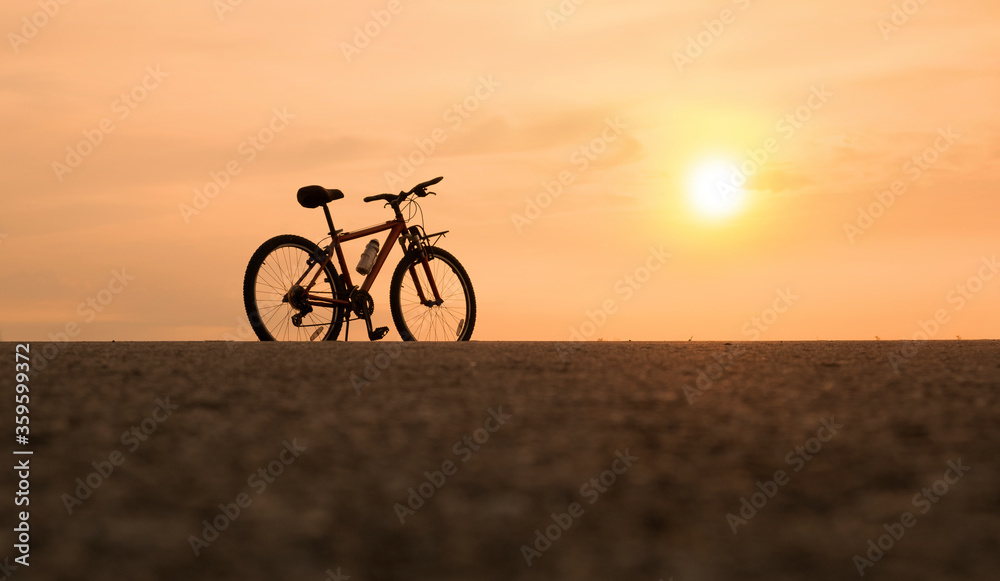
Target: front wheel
[[417, 313]]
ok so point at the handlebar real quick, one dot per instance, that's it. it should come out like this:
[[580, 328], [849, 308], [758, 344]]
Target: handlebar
[[387, 197], [394, 200]]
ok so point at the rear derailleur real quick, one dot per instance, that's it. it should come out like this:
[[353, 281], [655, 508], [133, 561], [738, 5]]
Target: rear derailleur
[[297, 298]]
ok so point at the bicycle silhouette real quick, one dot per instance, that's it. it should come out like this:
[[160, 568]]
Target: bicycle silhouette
[[293, 291]]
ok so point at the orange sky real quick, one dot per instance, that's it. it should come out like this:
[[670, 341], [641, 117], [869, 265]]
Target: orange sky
[[624, 101]]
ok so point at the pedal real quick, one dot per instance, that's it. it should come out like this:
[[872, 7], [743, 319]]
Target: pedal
[[378, 333]]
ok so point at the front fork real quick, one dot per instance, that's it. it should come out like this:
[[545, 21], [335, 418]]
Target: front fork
[[417, 243]]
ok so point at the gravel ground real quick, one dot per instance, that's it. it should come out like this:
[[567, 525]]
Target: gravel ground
[[317, 447]]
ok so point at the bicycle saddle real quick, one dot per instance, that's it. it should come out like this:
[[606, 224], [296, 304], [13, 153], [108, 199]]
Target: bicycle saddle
[[316, 196]]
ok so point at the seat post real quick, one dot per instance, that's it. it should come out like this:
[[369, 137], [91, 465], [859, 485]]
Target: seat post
[[329, 220]]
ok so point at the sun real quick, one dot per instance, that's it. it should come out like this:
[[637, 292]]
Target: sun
[[715, 189]]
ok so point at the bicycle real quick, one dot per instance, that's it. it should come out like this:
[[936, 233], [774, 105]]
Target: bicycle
[[293, 292]]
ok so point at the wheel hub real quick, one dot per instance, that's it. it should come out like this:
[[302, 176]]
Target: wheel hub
[[296, 297]]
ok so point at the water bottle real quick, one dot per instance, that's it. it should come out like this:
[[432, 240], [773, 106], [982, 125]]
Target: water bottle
[[368, 257]]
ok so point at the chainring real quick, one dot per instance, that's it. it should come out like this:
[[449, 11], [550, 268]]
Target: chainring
[[362, 303]]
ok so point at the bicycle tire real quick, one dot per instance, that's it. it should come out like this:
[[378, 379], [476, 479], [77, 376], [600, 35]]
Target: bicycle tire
[[439, 329], [285, 269]]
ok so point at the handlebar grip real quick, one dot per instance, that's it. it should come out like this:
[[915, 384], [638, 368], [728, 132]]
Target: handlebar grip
[[384, 197], [427, 184]]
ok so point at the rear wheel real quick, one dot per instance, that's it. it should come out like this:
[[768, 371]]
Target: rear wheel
[[425, 319], [273, 301]]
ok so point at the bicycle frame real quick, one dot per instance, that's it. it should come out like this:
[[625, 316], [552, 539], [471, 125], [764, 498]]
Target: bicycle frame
[[396, 227]]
